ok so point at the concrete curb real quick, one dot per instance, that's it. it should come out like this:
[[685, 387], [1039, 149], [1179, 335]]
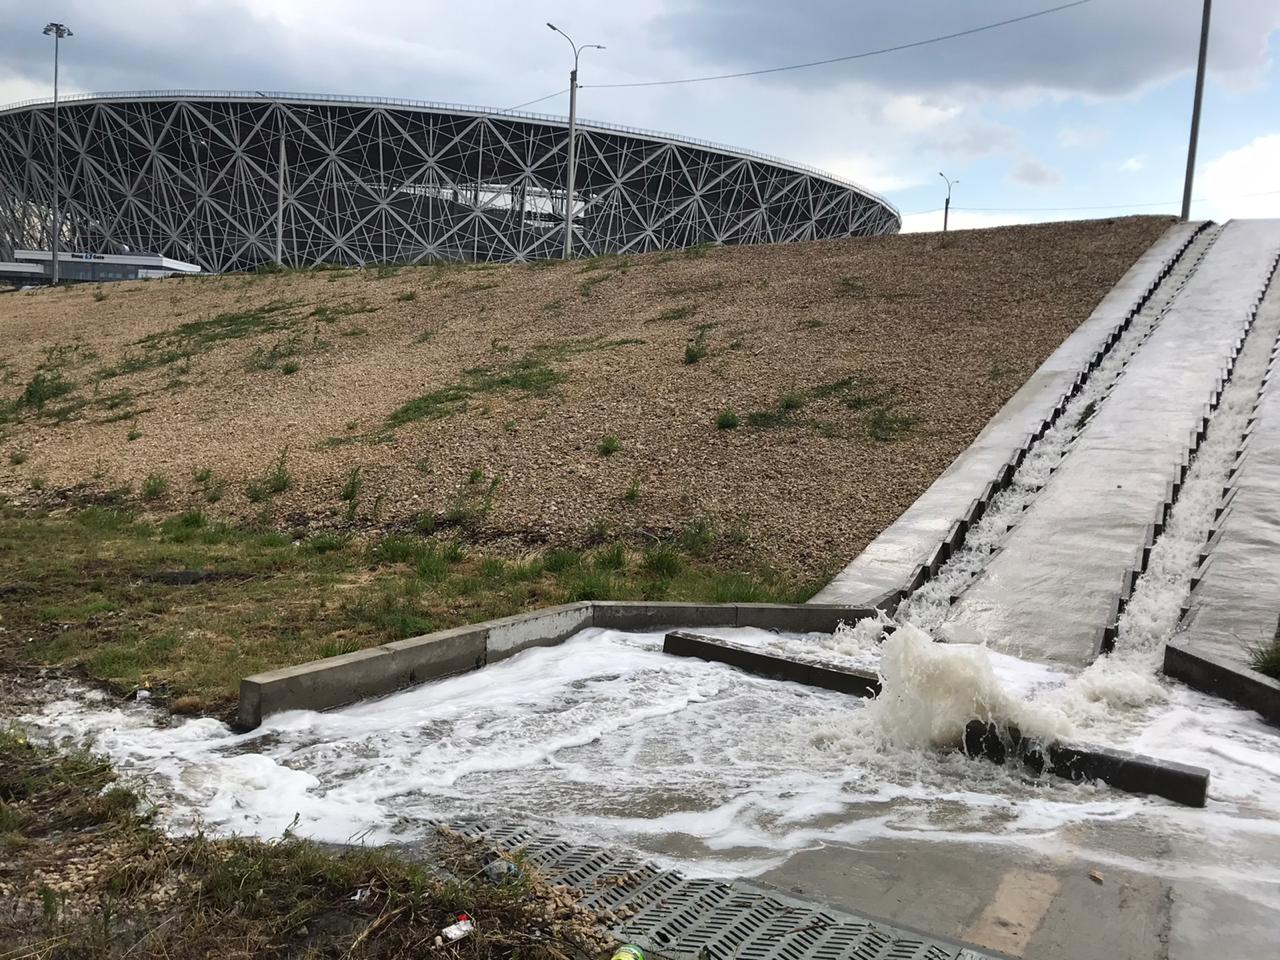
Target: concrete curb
[[1223, 678], [1130, 772], [337, 681], [860, 683]]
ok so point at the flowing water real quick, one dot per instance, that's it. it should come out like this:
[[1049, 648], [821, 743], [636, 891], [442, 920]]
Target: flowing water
[[605, 739]]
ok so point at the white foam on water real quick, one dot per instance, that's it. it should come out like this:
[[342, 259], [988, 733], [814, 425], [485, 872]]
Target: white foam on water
[[603, 737]]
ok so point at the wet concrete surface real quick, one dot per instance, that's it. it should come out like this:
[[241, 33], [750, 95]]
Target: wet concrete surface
[[1236, 607], [889, 561], [1096, 892], [1039, 906], [1051, 589]]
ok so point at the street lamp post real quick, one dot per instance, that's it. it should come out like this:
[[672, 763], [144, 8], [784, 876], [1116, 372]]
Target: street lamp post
[[58, 31], [946, 207], [1195, 112], [573, 135]]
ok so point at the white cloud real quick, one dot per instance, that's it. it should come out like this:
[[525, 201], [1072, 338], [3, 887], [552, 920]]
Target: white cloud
[[15, 89], [1074, 137], [1242, 183], [961, 220], [1033, 173], [915, 113], [1133, 165], [869, 171]]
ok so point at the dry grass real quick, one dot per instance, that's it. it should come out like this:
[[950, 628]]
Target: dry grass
[[860, 369], [84, 874]]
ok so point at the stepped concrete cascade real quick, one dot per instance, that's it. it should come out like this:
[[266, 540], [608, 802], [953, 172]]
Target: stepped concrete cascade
[[887, 564], [1237, 603], [1051, 590], [1235, 606]]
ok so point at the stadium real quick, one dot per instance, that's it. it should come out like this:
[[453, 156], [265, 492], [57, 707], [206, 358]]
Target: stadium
[[230, 181]]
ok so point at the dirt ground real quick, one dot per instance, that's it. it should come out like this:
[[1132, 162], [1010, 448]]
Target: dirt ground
[[555, 400]]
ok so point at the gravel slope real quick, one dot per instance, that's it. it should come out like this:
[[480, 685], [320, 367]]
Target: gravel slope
[[894, 337]]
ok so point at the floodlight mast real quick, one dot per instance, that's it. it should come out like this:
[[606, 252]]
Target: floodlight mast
[[58, 31], [571, 159]]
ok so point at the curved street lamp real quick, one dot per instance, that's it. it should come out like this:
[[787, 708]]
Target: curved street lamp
[[946, 207], [573, 133], [59, 32]]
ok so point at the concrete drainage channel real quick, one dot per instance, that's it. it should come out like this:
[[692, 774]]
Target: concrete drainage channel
[[1175, 485], [960, 558], [1231, 605], [1019, 446]]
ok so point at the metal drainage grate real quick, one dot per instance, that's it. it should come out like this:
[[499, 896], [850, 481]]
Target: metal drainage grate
[[676, 916]]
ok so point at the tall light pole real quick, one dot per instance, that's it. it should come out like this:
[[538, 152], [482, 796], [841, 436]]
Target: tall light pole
[[946, 207], [573, 136], [58, 31], [1195, 113]]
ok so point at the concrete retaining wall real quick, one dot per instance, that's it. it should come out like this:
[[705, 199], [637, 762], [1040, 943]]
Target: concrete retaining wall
[[335, 681]]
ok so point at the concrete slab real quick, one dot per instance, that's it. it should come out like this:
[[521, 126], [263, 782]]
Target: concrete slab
[[540, 628], [888, 563], [1051, 590], [1006, 899]]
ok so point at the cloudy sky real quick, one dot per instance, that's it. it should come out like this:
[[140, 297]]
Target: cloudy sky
[[1079, 113]]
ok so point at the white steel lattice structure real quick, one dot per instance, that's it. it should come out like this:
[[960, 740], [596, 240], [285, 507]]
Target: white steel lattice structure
[[221, 179]]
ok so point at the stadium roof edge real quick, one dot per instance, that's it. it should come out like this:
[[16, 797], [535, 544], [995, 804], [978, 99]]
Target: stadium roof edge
[[350, 100]]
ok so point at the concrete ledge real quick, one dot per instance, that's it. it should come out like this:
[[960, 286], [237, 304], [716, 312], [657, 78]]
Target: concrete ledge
[[332, 681], [640, 614], [799, 618], [1130, 772], [439, 654], [337, 681], [861, 683], [540, 628], [1223, 678]]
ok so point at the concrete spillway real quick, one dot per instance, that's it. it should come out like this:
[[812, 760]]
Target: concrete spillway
[[1050, 591]]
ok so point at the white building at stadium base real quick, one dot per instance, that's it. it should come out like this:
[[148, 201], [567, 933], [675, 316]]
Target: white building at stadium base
[[223, 180]]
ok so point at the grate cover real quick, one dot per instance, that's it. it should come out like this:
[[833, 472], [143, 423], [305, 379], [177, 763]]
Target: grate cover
[[680, 917]]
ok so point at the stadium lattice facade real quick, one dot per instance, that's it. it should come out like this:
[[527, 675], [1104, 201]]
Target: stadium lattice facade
[[226, 180]]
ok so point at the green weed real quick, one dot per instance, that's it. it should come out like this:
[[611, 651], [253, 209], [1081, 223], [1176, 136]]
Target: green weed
[[154, 486], [275, 481]]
